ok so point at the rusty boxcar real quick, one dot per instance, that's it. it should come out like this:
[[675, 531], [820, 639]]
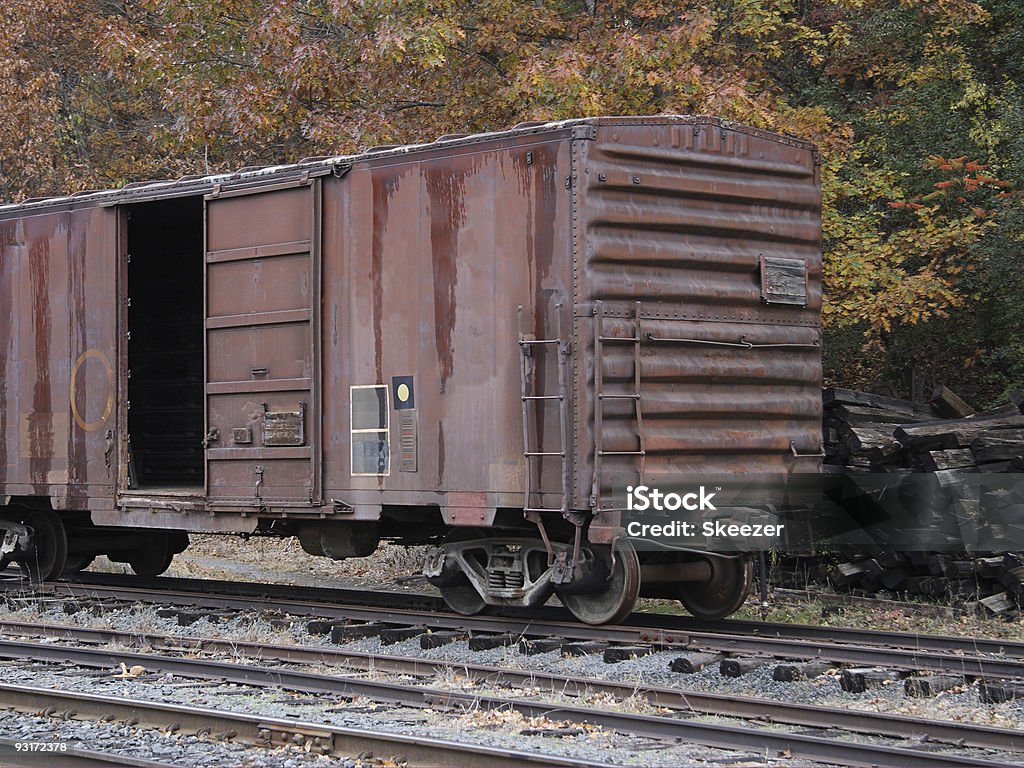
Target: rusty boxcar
[[467, 342]]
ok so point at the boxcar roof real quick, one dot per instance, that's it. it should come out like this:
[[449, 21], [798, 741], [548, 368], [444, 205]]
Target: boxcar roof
[[143, 191]]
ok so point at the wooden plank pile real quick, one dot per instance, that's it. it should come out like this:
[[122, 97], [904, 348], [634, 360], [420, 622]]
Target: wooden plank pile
[[867, 433], [884, 434]]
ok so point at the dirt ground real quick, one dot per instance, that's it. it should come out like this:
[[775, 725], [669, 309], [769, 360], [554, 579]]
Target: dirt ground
[[282, 561]]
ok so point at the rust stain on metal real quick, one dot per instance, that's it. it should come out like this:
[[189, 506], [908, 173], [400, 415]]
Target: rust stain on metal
[[8, 311], [40, 426], [544, 192], [446, 187], [385, 182], [78, 322]]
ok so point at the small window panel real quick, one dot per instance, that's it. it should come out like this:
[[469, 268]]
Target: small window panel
[[783, 281], [371, 447]]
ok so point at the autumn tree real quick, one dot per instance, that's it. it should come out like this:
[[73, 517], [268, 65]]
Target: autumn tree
[[914, 104]]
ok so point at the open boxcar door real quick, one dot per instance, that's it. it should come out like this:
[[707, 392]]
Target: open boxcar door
[[262, 352]]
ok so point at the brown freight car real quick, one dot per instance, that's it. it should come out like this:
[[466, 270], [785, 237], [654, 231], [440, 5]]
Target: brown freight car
[[484, 338]]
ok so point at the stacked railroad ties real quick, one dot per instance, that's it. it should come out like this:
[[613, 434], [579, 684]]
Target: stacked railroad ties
[[867, 433]]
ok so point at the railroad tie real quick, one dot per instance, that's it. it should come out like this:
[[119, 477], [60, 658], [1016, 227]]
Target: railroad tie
[[487, 642], [861, 679], [695, 662], [437, 639], [583, 649], [346, 633], [738, 667], [531, 647], [999, 691], [792, 672], [394, 635], [926, 686], [619, 653]]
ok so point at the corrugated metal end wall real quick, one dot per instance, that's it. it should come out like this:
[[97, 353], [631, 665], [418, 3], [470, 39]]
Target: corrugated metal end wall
[[681, 215]]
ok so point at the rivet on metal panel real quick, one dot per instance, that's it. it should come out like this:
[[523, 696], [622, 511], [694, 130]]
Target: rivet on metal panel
[[636, 179], [602, 177], [529, 158], [568, 183]]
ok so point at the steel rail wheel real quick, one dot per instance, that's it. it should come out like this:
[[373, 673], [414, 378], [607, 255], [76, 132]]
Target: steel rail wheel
[[50, 549], [154, 557], [616, 602], [77, 563], [462, 596], [723, 593]]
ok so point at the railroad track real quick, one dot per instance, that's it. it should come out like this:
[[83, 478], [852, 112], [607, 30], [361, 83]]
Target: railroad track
[[260, 731], [965, 657], [825, 747], [668, 624], [896, 726]]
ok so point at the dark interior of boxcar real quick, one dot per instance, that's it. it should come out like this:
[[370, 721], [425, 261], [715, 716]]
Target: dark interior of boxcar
[[165, 350]]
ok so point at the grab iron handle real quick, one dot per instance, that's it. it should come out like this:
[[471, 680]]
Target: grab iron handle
[[797, 455], [742, 343]]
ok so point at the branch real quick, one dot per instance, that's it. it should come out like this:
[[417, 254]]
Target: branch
[[417, 104]]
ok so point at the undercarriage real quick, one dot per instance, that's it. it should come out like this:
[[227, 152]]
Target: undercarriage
[[599, 584]]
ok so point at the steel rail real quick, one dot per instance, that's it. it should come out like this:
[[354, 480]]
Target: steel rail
[[815, 646], [678, 625], [852, 635], [745, 707], [824, 748], [261, 731]]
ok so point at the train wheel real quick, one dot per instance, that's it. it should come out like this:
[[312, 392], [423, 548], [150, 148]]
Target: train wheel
[[154, 557], [616, 602], [723, 593], [77, 563], [462, 596], [51, 546]]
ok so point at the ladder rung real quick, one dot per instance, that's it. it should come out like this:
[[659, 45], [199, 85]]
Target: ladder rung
[[524, 342], [622, 453], [544, 453], [632, 340], [542, 509], [542, 397], [630, 396]]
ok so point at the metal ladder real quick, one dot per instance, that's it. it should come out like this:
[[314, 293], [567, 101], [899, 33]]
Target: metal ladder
[[532, 407], [600, 396]]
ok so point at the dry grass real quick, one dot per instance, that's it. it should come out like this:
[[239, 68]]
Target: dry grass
[[826, 613], [273, 560]]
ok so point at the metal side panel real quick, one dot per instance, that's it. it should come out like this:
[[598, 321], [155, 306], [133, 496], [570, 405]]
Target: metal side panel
[[703, 240], [262, 294]]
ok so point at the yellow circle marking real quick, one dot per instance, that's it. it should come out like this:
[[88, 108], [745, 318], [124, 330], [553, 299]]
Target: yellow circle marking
[[90, 426], [403, 392]]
